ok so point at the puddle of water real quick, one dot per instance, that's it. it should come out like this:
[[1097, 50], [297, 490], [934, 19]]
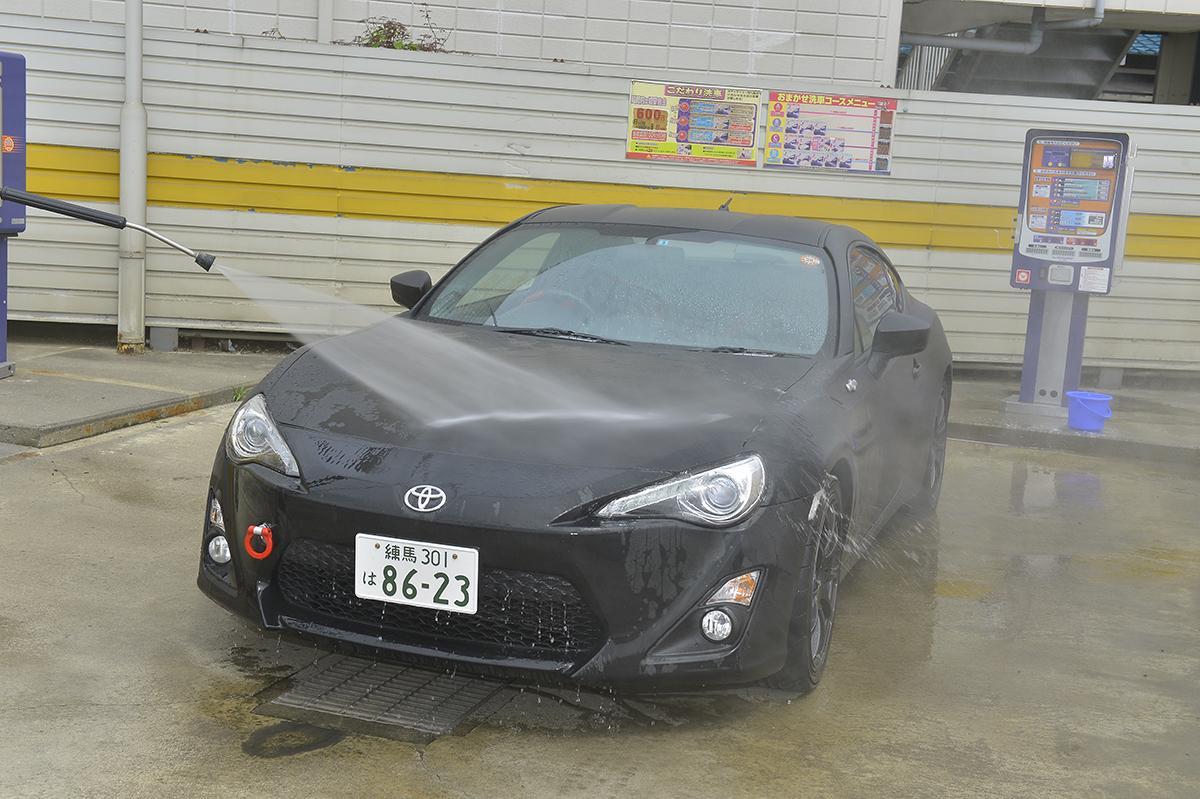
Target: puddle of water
[[1036, 488], [288, 738]]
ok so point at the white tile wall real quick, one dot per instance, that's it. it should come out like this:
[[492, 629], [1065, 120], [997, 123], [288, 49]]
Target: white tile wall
[[734, 38]]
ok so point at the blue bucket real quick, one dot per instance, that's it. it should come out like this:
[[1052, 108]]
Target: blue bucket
[[1088, 410]]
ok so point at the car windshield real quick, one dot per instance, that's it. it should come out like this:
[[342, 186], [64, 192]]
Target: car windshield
[[633, 283]]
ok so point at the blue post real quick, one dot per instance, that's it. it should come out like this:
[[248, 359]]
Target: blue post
[[6, 367], [12, 174], [1070, 238]]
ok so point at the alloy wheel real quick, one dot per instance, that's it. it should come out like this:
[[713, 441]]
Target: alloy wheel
[[827, 572]]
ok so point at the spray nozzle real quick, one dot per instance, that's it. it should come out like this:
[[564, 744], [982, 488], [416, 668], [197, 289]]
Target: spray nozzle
[[203, 260]]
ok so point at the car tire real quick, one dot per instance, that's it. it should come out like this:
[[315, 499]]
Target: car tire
[[926, 500], [815, 605]]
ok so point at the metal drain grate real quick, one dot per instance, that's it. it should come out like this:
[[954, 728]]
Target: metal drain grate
[[422, 700]]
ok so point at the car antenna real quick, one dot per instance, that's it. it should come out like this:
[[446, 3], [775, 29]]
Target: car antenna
[[725, 205], [203, 259]]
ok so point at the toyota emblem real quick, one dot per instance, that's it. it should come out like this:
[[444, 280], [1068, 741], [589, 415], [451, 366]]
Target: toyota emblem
[[425, 498]]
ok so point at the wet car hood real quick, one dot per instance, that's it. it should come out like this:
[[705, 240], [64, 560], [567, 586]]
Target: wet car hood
[[434, 390]]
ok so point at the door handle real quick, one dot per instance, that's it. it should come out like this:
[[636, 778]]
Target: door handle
[[916, 368]]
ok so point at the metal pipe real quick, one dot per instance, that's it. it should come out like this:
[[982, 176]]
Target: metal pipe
[[1037, 28], [95, 215], [202, 259], [131, 261], [1080, 24]]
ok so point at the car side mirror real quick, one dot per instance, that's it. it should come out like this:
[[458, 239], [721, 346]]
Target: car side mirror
[[409, 287], [900, 334]]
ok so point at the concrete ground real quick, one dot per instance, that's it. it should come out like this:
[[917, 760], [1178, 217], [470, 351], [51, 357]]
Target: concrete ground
[[1160, 423], [1039, 638], [71, 383]]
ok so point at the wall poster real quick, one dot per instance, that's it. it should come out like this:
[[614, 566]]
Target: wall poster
[[693, 124], [829, 131]]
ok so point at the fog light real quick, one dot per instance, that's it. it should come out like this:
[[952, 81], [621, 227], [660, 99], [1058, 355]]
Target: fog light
[[739, 590], [218, 549], [716, 625], [216, 519]]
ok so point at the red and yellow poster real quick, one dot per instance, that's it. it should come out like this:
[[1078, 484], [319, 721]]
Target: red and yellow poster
[[693, 124], [840, 132]]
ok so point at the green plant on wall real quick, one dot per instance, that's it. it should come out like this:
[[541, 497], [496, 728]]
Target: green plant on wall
[[392, 34]]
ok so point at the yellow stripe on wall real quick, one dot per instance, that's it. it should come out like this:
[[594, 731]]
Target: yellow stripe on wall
[[325, 190]]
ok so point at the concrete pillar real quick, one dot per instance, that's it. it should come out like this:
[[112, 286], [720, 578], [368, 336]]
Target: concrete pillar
[[1176, 68], [131, 262]]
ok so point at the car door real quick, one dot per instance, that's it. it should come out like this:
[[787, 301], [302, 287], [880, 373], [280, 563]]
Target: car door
[[886, 385], [910, 410]]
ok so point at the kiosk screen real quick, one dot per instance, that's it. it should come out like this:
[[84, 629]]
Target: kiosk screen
[[1069, 199]]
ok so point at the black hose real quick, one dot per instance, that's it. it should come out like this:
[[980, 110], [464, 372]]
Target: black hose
[[64, 208]]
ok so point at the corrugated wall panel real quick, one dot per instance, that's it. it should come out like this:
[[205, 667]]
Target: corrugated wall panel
[[507, 136], [75, 79], [351, 259], [63, 270], [1151, 316], [502, 117]]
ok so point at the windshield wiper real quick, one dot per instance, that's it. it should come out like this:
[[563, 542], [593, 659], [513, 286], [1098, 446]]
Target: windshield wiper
[[744, 351], [559, 332]]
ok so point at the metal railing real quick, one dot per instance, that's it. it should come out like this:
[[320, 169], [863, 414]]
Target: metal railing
[[923, 67]]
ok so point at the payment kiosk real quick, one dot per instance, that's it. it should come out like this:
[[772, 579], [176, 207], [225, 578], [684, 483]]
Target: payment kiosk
[[12, 175], [1069, 240]]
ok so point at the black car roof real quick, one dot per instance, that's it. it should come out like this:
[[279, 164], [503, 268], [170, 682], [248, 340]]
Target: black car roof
[[782, 228]]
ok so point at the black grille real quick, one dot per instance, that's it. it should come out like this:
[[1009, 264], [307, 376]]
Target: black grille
[[519, 613]]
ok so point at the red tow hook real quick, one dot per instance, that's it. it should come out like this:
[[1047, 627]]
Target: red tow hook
[[259, 541]]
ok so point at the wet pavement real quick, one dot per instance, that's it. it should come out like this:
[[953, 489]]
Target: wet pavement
[[1040, 637], [1156, 422], [71, 383]]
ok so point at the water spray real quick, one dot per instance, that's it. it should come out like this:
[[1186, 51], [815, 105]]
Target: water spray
[[441, 388], [203, 259]]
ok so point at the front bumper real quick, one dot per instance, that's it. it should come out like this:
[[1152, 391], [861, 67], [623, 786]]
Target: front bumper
[[627, 598]]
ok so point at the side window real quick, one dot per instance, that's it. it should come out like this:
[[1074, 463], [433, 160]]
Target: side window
[[875, 290]]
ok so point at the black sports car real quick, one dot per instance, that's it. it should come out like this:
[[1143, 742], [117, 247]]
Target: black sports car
[[614, 445]]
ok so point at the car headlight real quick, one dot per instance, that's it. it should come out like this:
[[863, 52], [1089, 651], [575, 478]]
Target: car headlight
[[716, 497], [254, 438]]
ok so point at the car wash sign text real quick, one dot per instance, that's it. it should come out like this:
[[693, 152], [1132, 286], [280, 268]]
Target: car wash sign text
[[700, 124], [693, 124]]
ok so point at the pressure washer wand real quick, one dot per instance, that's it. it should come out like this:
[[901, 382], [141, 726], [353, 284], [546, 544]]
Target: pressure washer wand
[[203, 259]]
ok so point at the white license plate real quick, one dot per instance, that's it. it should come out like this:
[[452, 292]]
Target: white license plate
[[416, 573]]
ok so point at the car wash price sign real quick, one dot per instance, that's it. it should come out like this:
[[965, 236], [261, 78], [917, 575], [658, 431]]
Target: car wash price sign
[[693, 124], [1072, 211], [843, 132]]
